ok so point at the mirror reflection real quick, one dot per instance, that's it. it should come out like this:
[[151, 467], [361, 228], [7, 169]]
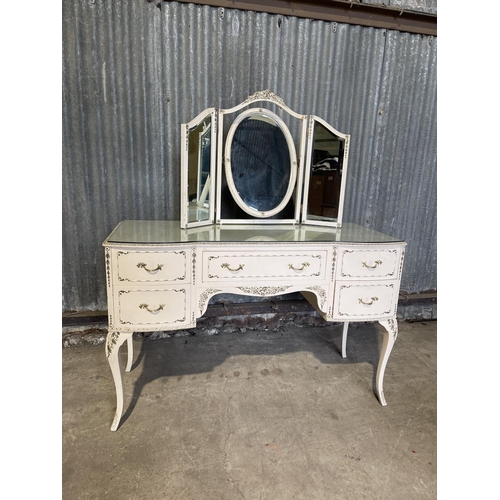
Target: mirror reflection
[[326, 174], [199, 154], [260, 163]]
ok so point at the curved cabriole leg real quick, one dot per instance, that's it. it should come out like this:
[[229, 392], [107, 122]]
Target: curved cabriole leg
[[390, 336], [113, 342], [130, 353], [344, 339]]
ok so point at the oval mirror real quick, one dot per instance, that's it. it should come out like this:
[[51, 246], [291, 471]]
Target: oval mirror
[[260, 163]]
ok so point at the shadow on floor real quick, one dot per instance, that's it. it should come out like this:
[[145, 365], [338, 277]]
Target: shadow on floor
[[183, 356]]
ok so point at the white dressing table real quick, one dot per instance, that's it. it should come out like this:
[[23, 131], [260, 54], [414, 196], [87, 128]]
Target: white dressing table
[[160, 277], [262, 196]]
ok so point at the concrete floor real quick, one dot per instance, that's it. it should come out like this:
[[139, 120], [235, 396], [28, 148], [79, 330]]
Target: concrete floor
[[256, 415]]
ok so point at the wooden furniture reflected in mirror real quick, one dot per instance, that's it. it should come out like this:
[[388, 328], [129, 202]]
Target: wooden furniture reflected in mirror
[[324, 185]]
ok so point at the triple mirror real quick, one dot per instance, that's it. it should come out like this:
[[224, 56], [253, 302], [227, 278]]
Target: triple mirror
[[263, 165]]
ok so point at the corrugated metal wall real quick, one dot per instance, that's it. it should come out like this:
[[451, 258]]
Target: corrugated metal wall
[[134, 70], [427, 6]]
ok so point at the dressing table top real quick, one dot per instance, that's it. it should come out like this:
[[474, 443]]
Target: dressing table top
[[150, 232]]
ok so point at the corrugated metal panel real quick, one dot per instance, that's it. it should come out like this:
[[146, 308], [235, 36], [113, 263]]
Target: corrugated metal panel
[[133, 71], [403, 191], [427, 6]]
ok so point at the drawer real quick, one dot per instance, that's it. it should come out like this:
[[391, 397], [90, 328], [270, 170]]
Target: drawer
[[245, 265], [363, 300], [378, 263], [153, 309], [166, 266]]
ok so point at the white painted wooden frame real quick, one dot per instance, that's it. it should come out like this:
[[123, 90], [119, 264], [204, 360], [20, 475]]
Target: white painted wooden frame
[[184, 198], [202, 192], [268, 96], [310, 141]]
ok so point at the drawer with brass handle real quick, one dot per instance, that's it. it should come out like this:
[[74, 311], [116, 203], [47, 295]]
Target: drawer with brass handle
[[241, 265], [142, 309], [365, 299], [151, 266], [378, 263]]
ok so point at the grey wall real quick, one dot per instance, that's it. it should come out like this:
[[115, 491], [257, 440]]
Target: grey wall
[[134, 70]]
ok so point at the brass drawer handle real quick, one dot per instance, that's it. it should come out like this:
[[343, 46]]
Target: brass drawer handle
[[377, 263], [146, 306], [226, 266], [304, 264], [374, 299], [141, 264]]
